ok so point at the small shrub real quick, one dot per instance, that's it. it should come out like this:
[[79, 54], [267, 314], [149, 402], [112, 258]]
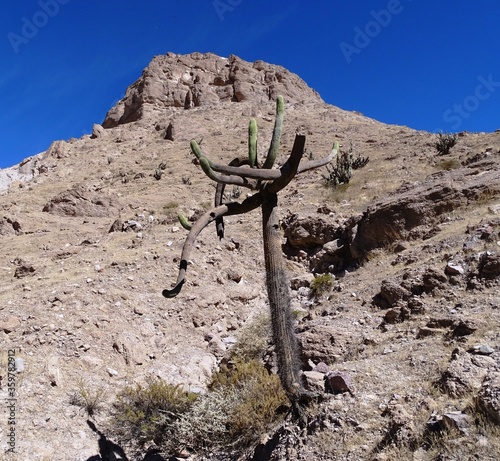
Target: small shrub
[[253, 339], [445, 142], [205, 426], [321, 285], [243, 401], [89, 398], [447, 165], [170, 207], [144, 413]]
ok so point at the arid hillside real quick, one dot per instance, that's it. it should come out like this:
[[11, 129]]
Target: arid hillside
[[394, 276]]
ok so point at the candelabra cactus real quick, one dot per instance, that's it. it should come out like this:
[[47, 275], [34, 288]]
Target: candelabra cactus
[[267, 182]]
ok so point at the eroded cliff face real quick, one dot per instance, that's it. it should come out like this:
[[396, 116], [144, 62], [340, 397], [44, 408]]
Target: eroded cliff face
[[200, 80]]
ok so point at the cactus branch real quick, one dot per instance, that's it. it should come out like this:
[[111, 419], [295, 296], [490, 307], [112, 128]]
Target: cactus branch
[[275, 141], [184, 221], [289, 169], [246, 171], [228, 209], [206, 165], [195, 148], [322, 161], [252, 143], [219, 196]]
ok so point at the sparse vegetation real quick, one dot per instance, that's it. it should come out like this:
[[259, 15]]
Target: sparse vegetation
[[449, 164], [341, 173], [144, 413], [244, 400], [88, 397], [445, 142], [321, 285]]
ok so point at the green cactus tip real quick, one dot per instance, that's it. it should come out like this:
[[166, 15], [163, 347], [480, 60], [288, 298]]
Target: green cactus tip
[[184, 221], [252, 142]]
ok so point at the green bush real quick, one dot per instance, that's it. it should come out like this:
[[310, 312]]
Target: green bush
[[445, 142], [244, 400], [144, 413], [321, 285], [88, 397]]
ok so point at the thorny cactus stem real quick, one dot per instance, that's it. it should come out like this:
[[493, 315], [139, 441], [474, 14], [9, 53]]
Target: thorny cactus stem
[[279, 301], [267, 182]]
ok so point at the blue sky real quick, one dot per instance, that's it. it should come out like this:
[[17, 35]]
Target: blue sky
[[428, 64]]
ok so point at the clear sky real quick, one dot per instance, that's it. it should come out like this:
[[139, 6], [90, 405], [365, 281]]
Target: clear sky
[[428, 64]]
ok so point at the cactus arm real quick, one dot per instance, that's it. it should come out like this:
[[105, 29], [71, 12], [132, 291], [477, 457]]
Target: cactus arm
[[228, 209], [184, 221], [246, 171], [289, 169], [275, 141], [252, 143], [225, 179], [219, 196], [196, 149], [320, 162]]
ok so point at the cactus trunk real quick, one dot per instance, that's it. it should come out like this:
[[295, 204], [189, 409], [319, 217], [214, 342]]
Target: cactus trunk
[[278, 292]]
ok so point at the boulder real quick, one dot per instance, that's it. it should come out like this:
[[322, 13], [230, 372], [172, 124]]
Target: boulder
[[488, 398]]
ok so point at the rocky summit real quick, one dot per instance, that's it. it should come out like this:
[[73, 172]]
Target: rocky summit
[[394, 277]]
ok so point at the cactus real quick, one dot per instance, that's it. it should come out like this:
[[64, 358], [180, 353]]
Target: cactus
[[252, 143], [267, 182], [184, 222], [275, 141]]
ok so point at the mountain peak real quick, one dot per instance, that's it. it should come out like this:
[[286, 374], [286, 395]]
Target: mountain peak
[[205, 79]]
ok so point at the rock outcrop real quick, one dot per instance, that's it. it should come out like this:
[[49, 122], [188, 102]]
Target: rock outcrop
[[81, 202], [186, 81]]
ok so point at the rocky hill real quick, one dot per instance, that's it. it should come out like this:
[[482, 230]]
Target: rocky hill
[[408, 321]]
